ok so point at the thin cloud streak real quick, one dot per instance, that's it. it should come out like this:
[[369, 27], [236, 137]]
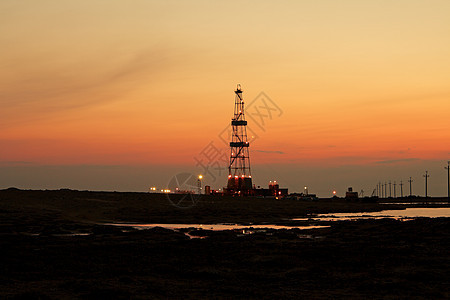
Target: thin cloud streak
[[393, 161], [269, 151], [59, 89]]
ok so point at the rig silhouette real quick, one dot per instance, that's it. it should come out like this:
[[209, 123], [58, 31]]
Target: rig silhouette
[[239, 173]]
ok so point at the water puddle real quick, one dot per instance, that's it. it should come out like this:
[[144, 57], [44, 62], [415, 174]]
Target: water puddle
[[408, 213], [415, 203], [58, 234], [72, 234], [243, 230], [214, 227]]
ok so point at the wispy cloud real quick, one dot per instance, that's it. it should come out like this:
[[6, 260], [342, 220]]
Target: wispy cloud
[[35, 92], [393, 161], [269, 151], [16, 163]]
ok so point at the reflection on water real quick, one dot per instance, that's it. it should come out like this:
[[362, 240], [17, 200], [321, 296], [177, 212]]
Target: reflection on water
[[73, 234], [244, 230], [214, 227], [415, 203], [412, 212]]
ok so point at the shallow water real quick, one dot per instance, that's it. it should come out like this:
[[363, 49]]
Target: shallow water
[[73, 234], [415, 203], [214, 227], [408, 213]]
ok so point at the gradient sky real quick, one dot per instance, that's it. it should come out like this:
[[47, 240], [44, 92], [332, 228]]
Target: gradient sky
[[123, 95]]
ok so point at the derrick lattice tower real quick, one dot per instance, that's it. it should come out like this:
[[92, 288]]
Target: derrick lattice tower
[[239, 176]]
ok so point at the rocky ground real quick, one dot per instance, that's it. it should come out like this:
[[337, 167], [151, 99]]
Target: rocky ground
[[55, 245]]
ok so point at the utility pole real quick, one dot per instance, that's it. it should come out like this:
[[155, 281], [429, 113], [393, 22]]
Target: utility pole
[[448, 181], [395, 192], [401, 188], [410, 186], [385, 189], [199, 184], [390, 189], [426, 183]]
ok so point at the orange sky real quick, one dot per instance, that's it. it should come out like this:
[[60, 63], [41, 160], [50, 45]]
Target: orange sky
[[151, 83]]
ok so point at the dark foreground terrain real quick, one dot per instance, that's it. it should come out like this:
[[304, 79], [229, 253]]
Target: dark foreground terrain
[[55, 245]]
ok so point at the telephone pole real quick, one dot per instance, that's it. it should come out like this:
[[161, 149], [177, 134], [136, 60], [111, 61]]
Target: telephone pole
[[385, 189], [426, 183], [448, 181], [199, 184], [401, 188], [410, 186], [395, 192], [390, 189]]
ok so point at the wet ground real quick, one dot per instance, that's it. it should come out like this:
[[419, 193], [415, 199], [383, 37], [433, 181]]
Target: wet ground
[[54, 246]]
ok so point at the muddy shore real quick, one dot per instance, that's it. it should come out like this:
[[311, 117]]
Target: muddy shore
[[55, 246]]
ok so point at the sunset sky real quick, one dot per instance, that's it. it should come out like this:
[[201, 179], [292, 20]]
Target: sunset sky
[[123, 95]]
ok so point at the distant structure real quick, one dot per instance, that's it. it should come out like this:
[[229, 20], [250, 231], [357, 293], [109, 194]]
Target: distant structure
[[207, 190], [274, 190], [239, 175], [350, 194]]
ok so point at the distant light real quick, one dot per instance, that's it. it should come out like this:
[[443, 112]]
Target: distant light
[[334, 192], [200, 176], [249, 176], [229, 176], [279, 193]]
